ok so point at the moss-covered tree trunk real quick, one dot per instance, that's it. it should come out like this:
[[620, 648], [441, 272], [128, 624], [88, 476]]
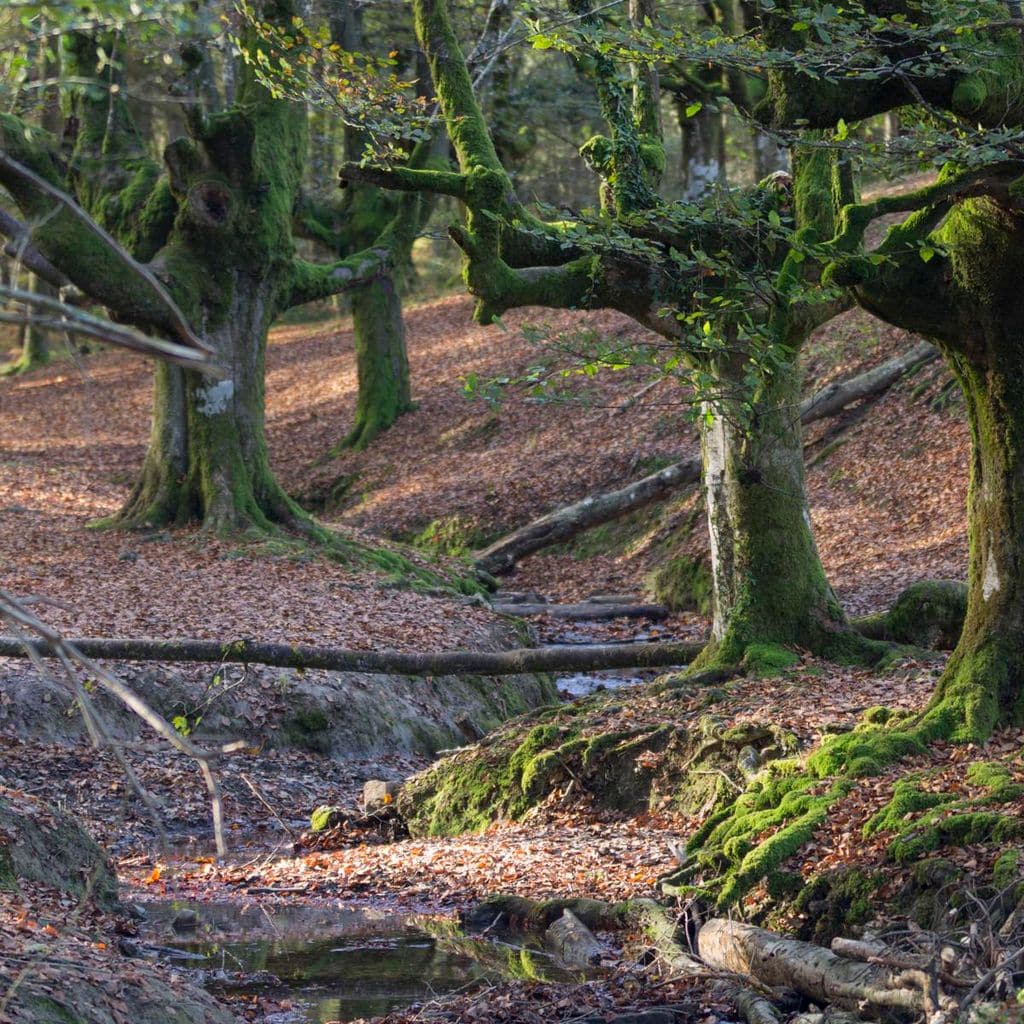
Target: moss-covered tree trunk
[[35, 345], [214, 225], [217, 226], [207, 457], [983, 685], [769, 585], [382, 361], [968, 298]]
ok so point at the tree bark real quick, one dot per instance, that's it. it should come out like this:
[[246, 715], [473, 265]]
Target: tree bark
[[983, 684], [382, 361], [35, 344], [582, 658], [573, 942], [814, 971], [564, 523]]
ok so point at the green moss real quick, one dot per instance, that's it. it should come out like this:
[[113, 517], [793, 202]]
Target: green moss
[[324, 817], [1007, 869], [907, 799], [768, 659], [959, 830], [922, 820], [835, 903], [306, 729], [683, 584], [453, 534], [8, 877], [927, 614]]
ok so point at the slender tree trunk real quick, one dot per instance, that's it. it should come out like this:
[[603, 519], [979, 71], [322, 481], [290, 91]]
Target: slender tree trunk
[[382, 361], [703, 162], [35, 345]]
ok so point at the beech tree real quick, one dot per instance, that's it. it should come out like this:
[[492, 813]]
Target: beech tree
[[945, 271], [213, 224]]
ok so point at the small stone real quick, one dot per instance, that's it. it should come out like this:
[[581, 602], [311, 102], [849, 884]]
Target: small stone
[[377, 793], [185, 921]]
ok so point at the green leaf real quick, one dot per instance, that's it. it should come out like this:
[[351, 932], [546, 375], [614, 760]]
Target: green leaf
[[842, 130], [694, 108], [927, 253]]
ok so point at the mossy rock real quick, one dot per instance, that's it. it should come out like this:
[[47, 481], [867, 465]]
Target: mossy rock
[[836, 903], [926, 614], [40, 844]]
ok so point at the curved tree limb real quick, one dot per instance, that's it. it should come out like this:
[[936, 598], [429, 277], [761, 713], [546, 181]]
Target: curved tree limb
[[312, 281], [19, 247], [43, 311]]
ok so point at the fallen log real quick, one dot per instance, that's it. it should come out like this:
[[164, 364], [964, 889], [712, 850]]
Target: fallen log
[[587, 610], [816, 972], [564, 523], [582, 658]]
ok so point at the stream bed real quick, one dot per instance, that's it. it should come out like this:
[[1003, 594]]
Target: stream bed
[[343, 963]]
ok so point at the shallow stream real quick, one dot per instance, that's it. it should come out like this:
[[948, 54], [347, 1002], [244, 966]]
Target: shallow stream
[[336, 964]]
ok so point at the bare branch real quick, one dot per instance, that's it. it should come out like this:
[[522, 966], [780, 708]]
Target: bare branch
[[44, 311], [176, 318], [52, 642]]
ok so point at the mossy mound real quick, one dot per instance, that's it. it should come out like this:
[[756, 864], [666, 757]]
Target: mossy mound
[[926, 614], [583, 751], [40, 844]]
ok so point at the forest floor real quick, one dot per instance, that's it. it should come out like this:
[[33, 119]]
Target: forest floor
[[887, 503]]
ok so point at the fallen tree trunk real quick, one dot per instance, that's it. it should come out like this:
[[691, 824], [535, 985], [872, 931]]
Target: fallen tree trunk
[[587, 610], [815, 972], [564, 523], [582, 658]]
